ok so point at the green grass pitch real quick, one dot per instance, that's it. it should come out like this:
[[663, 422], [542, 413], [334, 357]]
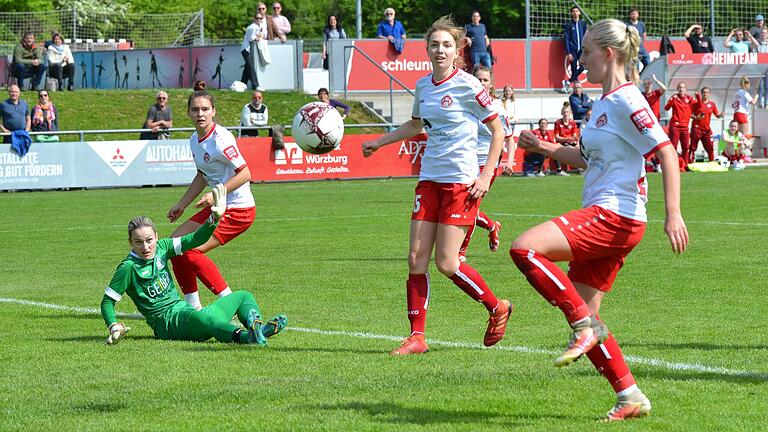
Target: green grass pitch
[[331, 256]]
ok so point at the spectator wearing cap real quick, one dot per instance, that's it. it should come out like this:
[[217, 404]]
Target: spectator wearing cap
[[579, 101], [758, 27], [573, 36], [391, 29], [282, 25], [634, 21], [477, 39], [700, 42], [254, 114]]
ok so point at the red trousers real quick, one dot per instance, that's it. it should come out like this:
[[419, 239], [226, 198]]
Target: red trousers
[[705, 136]]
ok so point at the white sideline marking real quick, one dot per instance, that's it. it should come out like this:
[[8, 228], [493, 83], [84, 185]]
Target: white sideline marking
[[693, 367]]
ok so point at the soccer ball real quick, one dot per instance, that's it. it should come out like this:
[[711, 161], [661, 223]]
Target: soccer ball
[[317, 128]]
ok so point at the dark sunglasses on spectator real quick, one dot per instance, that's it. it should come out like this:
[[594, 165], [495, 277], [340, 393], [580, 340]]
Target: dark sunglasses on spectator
[[162, 97], [262, 8], [43, 95], [276, 7]]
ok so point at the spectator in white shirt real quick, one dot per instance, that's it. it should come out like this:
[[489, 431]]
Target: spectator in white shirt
[[282, 24], [61, 62]]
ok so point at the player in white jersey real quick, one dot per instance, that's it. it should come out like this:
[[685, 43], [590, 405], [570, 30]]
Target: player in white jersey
[[484, 74], [596, 238], [741, 106], [218, 160], [448, 105]]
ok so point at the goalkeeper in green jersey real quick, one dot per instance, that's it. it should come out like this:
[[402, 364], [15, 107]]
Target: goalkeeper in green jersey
[[145, 277]]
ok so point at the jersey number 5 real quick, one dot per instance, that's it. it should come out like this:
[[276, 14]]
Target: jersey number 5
[[417, 203]]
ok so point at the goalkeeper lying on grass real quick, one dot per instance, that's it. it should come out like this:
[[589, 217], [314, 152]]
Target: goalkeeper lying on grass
[[145, 277]]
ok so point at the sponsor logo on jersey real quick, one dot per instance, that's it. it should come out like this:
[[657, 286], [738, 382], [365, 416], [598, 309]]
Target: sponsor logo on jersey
[[231, 152], [446, 101], [643, 120], [602, 120], [159, 263], [118, 155], [291, 154], [483, 98]]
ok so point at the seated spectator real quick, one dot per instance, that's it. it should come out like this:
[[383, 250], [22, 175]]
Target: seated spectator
[[29, 61], [700, 43], [742, 43], [61, 63], [15, 112], [323, 95], [567, 133], [391, 29], [332, 31], [477, 39], [508, 102], [653, 97], [534, 162], [44, 115], [758, 27], [159, 119], [634, 21], [282, 25], [579, 101], [254, 114]]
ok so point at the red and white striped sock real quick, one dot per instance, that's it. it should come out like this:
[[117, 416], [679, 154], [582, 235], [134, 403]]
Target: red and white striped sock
[[609, 361], [470, 281]]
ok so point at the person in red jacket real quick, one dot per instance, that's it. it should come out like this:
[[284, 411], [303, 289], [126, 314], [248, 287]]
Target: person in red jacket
[[653, 96], [703, 108], [680, 103]]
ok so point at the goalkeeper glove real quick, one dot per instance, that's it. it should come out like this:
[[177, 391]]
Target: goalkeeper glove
[[116, 331], [219, 201]]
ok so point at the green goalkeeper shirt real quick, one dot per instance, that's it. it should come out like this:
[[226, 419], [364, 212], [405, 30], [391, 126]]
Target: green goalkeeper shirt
[[148, 282]]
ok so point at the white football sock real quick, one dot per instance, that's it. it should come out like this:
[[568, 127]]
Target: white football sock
[[193, 299]]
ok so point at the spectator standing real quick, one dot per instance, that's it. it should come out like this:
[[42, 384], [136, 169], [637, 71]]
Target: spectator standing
[[391, 29], [333, 31], [15, 113], [681, 104], [703, 108], [700, 43], [762, 88], [282, 25], [654, 96], [579, 101], [567, 133], [634, 21], [324, 96], [756, 29], [159, 119], [61, 62], [573, 36], [29, 60], [508, 102], [256, 31], [477, 38], [742, 43], [254, 114], [261, 8], [44, 115]]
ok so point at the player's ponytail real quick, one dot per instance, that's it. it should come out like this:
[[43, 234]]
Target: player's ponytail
[[623, 39], [139, 222]]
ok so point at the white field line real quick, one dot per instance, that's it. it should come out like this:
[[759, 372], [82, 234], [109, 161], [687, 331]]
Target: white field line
[[690, 367]]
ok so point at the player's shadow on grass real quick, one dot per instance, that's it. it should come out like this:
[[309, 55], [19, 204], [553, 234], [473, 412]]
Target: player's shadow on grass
[[99, 407], [675, 375], [274, 347], [366, 259], [388, 412], [702, 346]]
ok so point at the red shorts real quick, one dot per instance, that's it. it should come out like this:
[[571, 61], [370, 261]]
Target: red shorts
[[740, 117], [234, 222], [599, 240], [445, 203]]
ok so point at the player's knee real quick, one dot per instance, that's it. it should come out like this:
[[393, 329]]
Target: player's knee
[[447, 265], [524, 241], [417, 262]]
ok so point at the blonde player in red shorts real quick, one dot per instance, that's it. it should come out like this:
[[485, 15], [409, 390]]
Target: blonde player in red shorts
[[741, 106], [218, 160], [484, 74], [595, 239], [448, 105]]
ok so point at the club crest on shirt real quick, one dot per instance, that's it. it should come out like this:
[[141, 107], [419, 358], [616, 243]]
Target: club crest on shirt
[[159, 263], [206, 157], [642, 120], [602, 120], [446, 101]]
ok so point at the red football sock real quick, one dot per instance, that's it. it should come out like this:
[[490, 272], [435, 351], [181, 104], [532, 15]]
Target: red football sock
[[467, 238], [550, 281], [483, 221], [185, 275], [609, 361], [417, 296], [206, 271], [470, 281]]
